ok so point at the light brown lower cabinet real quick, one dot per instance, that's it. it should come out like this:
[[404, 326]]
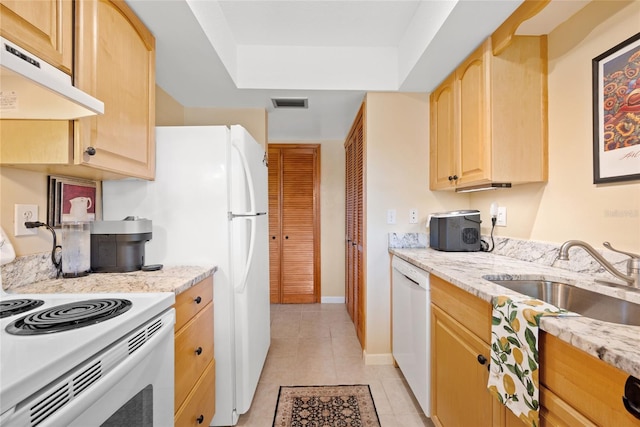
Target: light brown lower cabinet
[[576, 389], [194, 396]]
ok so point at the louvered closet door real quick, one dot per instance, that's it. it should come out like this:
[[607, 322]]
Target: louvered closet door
[[354, 226], [295, 235], [275, 230]]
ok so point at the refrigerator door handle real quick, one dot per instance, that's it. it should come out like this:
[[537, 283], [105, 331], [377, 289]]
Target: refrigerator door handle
[[249, 177], [231, 215], [242, 285]]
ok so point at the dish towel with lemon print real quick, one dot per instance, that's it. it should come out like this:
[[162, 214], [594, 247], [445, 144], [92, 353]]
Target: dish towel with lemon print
[[513, 377]]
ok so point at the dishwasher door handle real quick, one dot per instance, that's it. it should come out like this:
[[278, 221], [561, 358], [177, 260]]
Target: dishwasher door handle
[[410, 279]]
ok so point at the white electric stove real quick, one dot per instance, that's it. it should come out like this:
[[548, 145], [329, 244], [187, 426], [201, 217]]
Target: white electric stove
[[107, 372]]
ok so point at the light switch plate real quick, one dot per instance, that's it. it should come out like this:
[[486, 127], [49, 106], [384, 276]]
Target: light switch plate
[[391, 216], [501, 220], [24, 213]]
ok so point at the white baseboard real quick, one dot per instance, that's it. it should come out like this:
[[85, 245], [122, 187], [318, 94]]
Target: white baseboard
[[332, 300], [378, 359]]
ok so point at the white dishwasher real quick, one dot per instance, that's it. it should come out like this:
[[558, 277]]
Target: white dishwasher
[[411, 330]]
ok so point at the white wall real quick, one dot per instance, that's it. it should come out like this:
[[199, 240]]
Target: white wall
[[570, 206], [396, 177]]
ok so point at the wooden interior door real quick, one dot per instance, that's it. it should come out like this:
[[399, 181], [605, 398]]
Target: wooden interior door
[[294, 208], [354, 226]]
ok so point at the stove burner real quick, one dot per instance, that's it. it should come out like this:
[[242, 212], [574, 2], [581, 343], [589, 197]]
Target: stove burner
[[17, 306], [69, 316]]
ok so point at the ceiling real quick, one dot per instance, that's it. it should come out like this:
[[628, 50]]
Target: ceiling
[[241, 53]]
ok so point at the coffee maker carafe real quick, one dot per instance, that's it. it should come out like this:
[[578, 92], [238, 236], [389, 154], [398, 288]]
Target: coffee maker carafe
[[76, 239]]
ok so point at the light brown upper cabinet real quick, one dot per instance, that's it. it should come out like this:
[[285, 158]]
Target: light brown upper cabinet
[[43, 27], [489, 118], [114, 62], [294, 223]]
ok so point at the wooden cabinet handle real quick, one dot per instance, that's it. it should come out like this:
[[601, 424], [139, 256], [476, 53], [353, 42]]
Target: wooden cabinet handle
[[199, 351], [200, 419], [197, 300]]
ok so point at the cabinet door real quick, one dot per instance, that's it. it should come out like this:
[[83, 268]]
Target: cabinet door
[[43, 27], [442, 150], [474, 158], [115, 62], [459, 383]]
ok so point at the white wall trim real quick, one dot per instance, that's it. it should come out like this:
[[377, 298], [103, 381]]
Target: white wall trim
[[377, 359], [332, 300]]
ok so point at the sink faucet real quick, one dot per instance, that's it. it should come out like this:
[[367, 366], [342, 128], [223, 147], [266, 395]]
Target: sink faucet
[[632, 278]]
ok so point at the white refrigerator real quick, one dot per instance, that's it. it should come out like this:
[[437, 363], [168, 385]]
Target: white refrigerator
[[208, 205]]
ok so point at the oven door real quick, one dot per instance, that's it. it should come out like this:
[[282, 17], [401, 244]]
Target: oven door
[[129, 383]]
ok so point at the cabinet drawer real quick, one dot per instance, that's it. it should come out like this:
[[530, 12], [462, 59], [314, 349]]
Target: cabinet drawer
[[472, 312], [191, 301], [201, 402], [193, 352]]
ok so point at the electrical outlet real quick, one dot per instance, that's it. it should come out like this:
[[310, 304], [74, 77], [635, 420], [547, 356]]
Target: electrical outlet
[[413, 216], [501, 220], [24, 213], [391, 216]]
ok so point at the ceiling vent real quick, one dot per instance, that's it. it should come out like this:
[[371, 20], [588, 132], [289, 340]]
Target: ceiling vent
[[290, 102]]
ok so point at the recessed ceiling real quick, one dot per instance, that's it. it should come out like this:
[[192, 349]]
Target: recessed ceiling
[[240, 54]]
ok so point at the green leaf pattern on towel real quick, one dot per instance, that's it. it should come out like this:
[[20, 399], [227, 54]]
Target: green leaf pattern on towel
[[514, 368]]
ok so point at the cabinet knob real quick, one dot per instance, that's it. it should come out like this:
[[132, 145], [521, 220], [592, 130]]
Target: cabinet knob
[[481, 359], [90, 151], [455, 177], [197, 300], [200, 419], [286, 237], [273, 237], [199, 351]]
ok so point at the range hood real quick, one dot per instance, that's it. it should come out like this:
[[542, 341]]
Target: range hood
[[30, 88]]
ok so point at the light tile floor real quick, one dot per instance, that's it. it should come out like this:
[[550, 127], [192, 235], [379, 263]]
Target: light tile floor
[[313, 344]]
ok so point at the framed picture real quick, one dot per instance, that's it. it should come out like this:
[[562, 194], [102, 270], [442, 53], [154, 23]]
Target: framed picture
[[70, 199], [616, 113]]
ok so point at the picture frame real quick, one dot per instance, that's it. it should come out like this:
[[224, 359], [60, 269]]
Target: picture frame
[[616, 113], [61, 190]]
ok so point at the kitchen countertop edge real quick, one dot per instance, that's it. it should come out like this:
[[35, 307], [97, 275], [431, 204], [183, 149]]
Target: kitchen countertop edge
[[175, 279], [612, 343]]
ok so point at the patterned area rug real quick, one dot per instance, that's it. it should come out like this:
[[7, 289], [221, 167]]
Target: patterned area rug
[[326, 406]]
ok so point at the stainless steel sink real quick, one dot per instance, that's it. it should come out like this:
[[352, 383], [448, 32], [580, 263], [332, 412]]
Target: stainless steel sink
[[582, 301]]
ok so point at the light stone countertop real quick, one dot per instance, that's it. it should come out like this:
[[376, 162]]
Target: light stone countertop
[[618, 345], [170, 279]]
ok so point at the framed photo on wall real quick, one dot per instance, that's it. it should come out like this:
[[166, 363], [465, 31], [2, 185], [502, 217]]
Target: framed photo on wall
[[616, 113]]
